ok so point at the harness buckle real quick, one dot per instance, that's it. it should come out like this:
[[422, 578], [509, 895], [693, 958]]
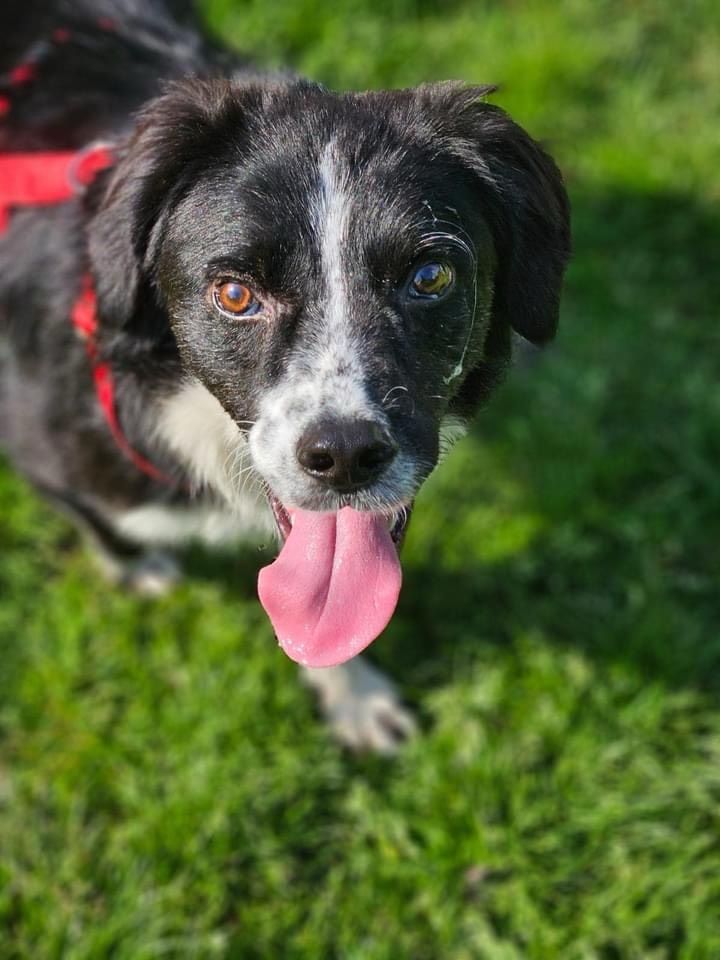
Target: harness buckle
[[87, 163]]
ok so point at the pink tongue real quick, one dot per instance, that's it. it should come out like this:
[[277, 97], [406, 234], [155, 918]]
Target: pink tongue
[[334, 586]]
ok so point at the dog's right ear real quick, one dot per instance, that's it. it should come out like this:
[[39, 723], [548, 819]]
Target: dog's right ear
[[176, 136], [524, 202]]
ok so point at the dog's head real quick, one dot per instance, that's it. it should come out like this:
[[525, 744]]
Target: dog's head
[[341, 273]]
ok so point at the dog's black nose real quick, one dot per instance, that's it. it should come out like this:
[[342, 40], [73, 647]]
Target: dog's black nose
[[345, 454]]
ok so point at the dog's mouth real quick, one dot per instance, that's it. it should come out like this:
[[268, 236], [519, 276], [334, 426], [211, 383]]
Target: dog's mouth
[[395, 520], [335, 584]]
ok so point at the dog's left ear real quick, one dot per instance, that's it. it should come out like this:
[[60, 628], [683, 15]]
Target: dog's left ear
[[524, 202]]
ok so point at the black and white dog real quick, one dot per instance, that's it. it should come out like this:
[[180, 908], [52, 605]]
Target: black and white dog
[[298, 293]]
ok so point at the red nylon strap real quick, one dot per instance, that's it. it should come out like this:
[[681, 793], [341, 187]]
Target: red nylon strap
[[40, 179], [84, 320], [27, 179]]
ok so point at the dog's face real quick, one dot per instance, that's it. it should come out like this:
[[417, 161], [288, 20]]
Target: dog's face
[[330, 291], [341, 272]]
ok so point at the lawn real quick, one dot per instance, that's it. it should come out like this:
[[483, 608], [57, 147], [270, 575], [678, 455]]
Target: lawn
[[166, 788]]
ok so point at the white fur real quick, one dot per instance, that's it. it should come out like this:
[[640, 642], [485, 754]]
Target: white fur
[[331, 223], [336, 364], [452, 429], [155, 524], [195, 427], [362, 706]]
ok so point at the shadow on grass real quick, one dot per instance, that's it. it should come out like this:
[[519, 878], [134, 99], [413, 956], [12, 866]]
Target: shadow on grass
[[614, 439]]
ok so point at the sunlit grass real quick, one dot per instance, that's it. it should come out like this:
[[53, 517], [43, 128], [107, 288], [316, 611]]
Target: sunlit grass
[[165, 786]]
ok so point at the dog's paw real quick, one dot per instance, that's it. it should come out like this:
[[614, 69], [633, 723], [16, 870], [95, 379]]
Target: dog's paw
[[152, 574], [362, 706]]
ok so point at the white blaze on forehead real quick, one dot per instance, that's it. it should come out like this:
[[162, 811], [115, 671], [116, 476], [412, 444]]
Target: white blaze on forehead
[[332, 221], [326, 375], [334, 359]]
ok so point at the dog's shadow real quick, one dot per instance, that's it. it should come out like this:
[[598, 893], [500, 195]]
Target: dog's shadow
[[624, 493]]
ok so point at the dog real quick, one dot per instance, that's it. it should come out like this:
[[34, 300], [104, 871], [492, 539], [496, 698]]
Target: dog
[[264, 307]]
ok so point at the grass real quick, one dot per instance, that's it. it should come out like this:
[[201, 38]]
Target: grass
[[166, 789]]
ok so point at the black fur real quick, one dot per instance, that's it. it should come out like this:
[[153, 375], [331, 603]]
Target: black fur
[[217, 174]]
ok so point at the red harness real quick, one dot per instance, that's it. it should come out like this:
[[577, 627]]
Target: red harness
[[38, 179]]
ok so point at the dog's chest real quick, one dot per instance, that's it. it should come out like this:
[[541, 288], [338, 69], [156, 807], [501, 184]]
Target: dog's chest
[[159, 525]]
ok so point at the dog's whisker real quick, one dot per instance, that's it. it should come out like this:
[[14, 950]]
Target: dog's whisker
[[234, 455], [392, 390]]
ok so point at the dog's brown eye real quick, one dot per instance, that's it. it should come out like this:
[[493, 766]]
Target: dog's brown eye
[[235, 299], [431, 280]]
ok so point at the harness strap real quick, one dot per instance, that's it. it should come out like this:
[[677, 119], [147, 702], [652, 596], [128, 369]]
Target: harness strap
[[84, 320], [43, 179]]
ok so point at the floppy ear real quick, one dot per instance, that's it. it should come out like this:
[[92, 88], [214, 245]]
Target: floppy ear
[[525, 204], [177, 135]]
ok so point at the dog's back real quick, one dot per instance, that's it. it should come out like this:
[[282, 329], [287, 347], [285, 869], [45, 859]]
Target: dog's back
[[72, 71]]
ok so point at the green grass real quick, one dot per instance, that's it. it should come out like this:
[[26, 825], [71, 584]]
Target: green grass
[[166, 789]]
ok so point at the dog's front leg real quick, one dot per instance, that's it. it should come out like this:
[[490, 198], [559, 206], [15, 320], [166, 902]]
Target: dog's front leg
[[362, 706]]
